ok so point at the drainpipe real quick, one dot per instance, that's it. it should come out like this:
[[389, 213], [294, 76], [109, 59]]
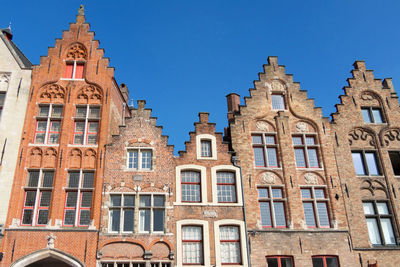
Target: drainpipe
[[234, 162]]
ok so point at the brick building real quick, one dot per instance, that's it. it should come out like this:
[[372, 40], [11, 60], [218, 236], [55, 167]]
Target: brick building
[[15, 81], [366, 132], [208, 207], [74, 107], [294, 205], [137, 224]]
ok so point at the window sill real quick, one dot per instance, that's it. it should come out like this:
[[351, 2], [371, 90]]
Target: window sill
[[376, 124], [130, 233], [206, 158], [52, 145], [373, 176], [309, 169], [268, 168], [76, 145], [394, 247], [207, 204], [137, 170]]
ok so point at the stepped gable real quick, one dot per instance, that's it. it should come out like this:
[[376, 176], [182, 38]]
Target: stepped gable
[[203, 126], [364, 87], [274, 79], [142, 115]]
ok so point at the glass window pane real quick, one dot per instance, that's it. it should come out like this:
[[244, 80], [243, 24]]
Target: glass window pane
[[331, 262], [27, 216], [145, 201], [279, 214], [81, 112], [230, 253], [387, 230], [88, 178], [48, 178], [376, 113], [93, 126], [128, 220], [395, 160], [225, 177], [86, 201], [257, 139], [306, 193], [374, 235], [158, 201], [226, 193], [229, 233], [317, 262], [72, 198], [158, 220], [368, 208], [43, 111], [276, 193], [133, 159], [323, 216], [43, 216], [309, 214], [94, 112], [190, 177], [45, 197], [57, 112], [270, 139], [69, 218], [272, 157], [144, 220], [263, 192], [146, 159], [192, 253], [272, 262], [39, 138], [53, 138], [310, 140], [300, 158], [55, 126], [371, 163], [297, 140], [319, 193], [78, 139], [366, 115], [115, 200], [191, 192], [79, 127], [286, 262], [84, 217], [33, 178], [277, 102], [259, 159], [129, 200], [358, 163], [41, 126], [382, 208], [313, 157], [30, 198], [206, 148], [192, 233], [92, 139], [115, 220], [73, 180], [265, 213]]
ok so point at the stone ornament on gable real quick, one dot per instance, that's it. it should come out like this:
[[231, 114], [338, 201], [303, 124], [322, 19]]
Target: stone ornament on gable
[[275, 86], [77, 51], [310, 178], [361, 135], [262, 126], [50, 240], [268, 178], [4, 81], [302, 127], [367, 96], [391, 135]]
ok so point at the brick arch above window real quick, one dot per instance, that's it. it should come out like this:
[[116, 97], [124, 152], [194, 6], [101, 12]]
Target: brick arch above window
[[76, 51], [51, 93], [90, 94], [362, 137]]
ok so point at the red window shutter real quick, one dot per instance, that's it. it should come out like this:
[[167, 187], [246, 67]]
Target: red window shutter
[[69, 70], [79, 71]]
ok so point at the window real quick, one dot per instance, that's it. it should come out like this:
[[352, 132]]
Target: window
[[325, 261], [86, 125], [191, 186], [37, 197], [365, 163], [315, 206], [192, 244], [226, 186], [379, 223], [230, 245], [265, 150], [2, 98], [206, 150], [140, 159], [278, 101], [306, 151], [372, 115], [395, 160], [151, 212], [279, 261], [272, 207], [74, 70], [48, 124], [78, 198]]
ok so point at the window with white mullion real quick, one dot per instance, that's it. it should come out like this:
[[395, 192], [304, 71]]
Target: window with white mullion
[[306, 150], [265, 148], [315, 206], [86, 125], [139, 159], [272, 207], [48, 124]]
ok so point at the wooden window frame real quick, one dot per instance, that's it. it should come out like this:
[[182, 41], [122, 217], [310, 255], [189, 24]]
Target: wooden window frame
[[49, 119], [232, 241], [87, 120], [193, 241], [271, 200], [306, 147], [226, 184], [365, 164], [279, 259], [195, 183], [371, 114], [140, 158], [265, 147], [314, 200], [324, 257]]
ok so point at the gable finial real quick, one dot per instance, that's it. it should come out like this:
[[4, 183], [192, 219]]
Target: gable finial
[[81, 10], [80, 18]]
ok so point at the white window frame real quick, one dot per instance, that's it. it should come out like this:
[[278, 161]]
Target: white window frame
[[206, 242], [314, 200], [242, 234], [49, 119], [122, 214], [214, 186], [139, 168], [151, 208], [203, 186], [207, 137], [87, 120]]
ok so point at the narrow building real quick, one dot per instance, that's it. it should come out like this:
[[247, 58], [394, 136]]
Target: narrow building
[[137, 223], [74, 108], [15, 81], [367, 147], [208, 207], [294, 204]]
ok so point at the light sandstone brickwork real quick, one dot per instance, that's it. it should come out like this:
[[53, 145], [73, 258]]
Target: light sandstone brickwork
[[352, 134], [138, 133], [47, 244], [299, 117]]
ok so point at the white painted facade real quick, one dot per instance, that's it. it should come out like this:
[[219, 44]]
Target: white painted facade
[[15, 81]]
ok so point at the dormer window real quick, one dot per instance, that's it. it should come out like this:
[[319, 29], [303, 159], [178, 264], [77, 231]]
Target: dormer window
[[206, 147], [278, 102], [74, 70]]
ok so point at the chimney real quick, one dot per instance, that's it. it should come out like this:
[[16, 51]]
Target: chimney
[[233, 101], [203, 117], [125, 92]]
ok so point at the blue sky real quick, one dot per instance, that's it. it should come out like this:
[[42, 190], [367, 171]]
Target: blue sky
[[184, 56]]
